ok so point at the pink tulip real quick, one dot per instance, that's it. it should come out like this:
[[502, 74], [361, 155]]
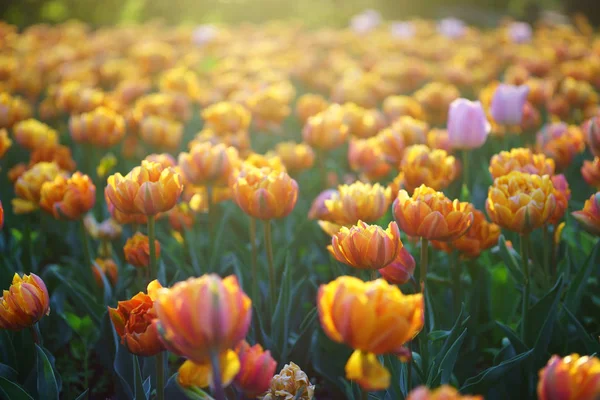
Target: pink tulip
[[508, 103], [520, 32], [257, 368], [400, 270], [468, 127]]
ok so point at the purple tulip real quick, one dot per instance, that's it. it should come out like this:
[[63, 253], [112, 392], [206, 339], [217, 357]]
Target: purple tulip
[[452, 28], [508, 103], [520, 32], [403, 30], [468, 126], [365, 22]]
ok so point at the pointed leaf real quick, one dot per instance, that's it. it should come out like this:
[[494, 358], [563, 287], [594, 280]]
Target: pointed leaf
[[591, 345], [138, 386], [511, 262], [514, 339], [578, 284], [12, 391], [481, 383], [46, 381], [83, 395], [447, 365]]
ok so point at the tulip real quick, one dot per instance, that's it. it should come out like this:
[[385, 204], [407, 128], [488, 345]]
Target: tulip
[[265, 195], [309, 105], [290, 383], [391, 144], [239, 140], [59, 154], [101, 127], [362, 122], [452, 28], [147, 189], [267, 162], [164, 159], [108, 268], [520, 159], [12, 110], [591, 172], [373, 318], [366, 246], [519, 32], [423, 166], [468, 127], [181, 217], [508, 103], [208, 164], [365, 21], [24, 303], [5, 142], [413, 131], [295, 157], [122, 218], [161, 132], [400, 270], [68, 198], [137, 250], [395, 107], [327, 129], [439, 139], [203, 315], [256, 369], [33, 134], [133, 322], [444, 392], [226, 118], [570, 378], [191, 374], [269, 106], [431, 215], [16, 172], [591, 128], [318, 209], [561, 142], [562, 193], [358, 201], [589, 216], [366, 156], [1, 216], [435, 98], [29, 186], [521, 202], [403, 30], [182, 81]]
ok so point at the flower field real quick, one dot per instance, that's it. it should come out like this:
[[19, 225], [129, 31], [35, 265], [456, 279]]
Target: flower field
[[393, 210]]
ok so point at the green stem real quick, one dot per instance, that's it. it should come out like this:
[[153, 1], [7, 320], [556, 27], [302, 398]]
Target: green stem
[[89, 262], [465, 159], [28, 246], [269, 249], [409, 370], [374, 274], [152, 245], [160, 376], [547, 270], [456, 271], [423, 265], [322, 169], [254, 259], [35, 334], [364, 395], [525, 303], [217, 385]]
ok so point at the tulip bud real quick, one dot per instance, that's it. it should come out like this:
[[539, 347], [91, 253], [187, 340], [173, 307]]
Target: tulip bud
[[570, 378], [508, 103], [589, 216], [468, 127], [108, 268], [137, 250], [256, 369], [399, 271], [24, 303], [592, 135], [33, 134], [68, 198]]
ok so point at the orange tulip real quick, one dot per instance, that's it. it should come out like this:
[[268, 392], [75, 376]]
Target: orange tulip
[[221, 316], [423, 166], [413, 131], [16, 172], [309, 105], [366, 156], [148, 189], [358, 201], [589, 216], [122, 218], [197, 197], [521, 202], [181, 217], [371, 317], [431, 215], [570, 378], [68, 198], [290, 383], [435, 98], [192, 374], [391, 143], [256, 369], [5, 142], [400, 270], [327, 129], [562, 193], [295, 156], [137, 250], [444, 392], [520, 159], [591, 129], [29, 186], [208, 164], [591, 172], [226, 118], [108, 268], [33, 134], [239, 140], [161, 132], [59, 154], [24, 303], [481, 236], [12, 110], [265, 195], [366, 246], [395, 107], [100, 127], [561, 142], [164, 159], [363, 123], [269, 106], [438, 139], [133, 322]]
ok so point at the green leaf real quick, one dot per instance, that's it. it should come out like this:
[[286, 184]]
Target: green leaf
[[12, 391], [514, 339], [510, 261], [481, 383], [46, 380], [434, 336], [123, 365], [138, 386], [591, 344], [107, 289], [578, 284], [83, 395], [447, 365], [280, 322], [8, 372]]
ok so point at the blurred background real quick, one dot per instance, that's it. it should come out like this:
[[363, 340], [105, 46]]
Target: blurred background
[[311, 12]]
